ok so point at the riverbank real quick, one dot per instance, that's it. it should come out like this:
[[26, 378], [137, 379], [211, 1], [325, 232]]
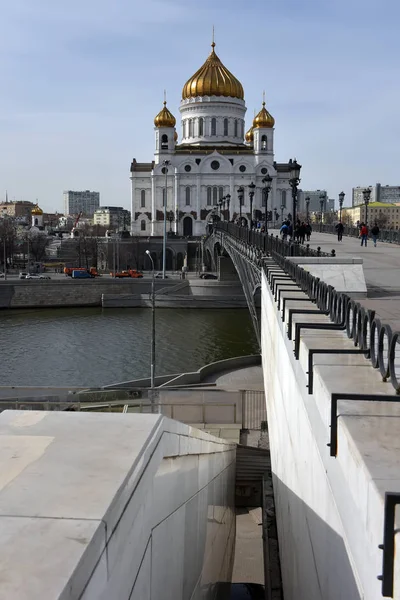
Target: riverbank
[[122, 293]]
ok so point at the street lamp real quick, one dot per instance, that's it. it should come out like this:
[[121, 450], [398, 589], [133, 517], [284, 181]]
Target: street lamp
[[307, 208], [228, 201], [170, 219], [240, 196], [341, 198], [366, 196], [220, 208], [153, 325], [165, 163], [321, 202], [251, 194], [294, 173], [4, 243], [267, 181]]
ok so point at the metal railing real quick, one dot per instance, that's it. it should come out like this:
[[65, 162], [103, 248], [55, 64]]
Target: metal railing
[[268, 243], [391, 236]]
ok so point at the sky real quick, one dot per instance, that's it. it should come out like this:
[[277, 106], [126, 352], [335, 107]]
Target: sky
[[82, 81]]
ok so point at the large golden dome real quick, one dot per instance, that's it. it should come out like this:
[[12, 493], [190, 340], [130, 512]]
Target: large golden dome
[[264, 118], [165, 118], [213, 79]]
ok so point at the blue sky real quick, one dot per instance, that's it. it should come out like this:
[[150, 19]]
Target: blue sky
[[82, 81]]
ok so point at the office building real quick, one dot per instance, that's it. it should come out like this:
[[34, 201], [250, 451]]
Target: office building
[[85, 202]]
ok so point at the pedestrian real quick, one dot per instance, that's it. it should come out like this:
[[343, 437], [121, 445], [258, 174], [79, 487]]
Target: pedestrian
[[339, 229], [308, 229], [375, 233], [364, 234], [302, 232], [284, 231]]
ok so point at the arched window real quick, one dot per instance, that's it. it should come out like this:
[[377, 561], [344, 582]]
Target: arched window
[[225, 126], [164, 142], [215, 196], [236, 127], [188, 196], [213, 126], [264, 142], [220, 192], [163, 196], [283, 198], [142, 198], [201, 126], [209, 196], [190, 127], [143, 225]]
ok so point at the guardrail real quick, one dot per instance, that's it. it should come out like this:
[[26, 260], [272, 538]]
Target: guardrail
[[367, 331], [268, 243], [391, 236]]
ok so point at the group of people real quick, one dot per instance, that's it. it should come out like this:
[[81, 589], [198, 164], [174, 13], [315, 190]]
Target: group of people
[[364, 232], [299, 233]]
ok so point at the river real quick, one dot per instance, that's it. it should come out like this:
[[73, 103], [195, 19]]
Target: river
[[92, 347]]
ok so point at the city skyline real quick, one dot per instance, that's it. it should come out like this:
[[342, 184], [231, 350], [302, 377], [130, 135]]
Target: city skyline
[[78, 107]]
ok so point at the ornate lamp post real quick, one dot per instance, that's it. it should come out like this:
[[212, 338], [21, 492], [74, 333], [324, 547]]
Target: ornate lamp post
[[341, 198], [220, 203], [252, 187], [366, 196], [228, 201], [240, 196], [164, 260], [307, 208], [294, 181], [170, 219], [322, 200], [267, 181]]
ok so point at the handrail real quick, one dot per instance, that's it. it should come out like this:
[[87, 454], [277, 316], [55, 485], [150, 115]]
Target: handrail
[[268, 243]]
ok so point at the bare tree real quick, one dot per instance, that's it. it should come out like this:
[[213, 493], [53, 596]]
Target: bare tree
[[38, 242]]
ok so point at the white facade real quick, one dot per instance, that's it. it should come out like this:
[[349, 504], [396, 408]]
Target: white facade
[[115, 217], [85, 202], [212, 160]]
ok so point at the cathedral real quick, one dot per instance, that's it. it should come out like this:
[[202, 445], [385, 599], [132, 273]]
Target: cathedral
[[213, 168]]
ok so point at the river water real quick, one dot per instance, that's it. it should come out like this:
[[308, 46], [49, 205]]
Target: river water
[[92, 347]]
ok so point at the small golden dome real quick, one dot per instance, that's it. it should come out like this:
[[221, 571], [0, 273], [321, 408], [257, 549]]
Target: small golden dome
[[264, 118], [249, 137], [165, 118], [176, 136], [36, 210], [213, 79]]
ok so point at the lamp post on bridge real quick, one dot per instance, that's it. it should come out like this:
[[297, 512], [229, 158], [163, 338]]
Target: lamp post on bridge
[[267, 181], [282, 209], [322, 198], [294, 181], [341, 199], [251, 195], [165, 171], [307, 208], [228, 201], [366, 196], [240, 196]]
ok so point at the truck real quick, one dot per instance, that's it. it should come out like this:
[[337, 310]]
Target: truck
[[92, 271], [80, 274], [128, 273]]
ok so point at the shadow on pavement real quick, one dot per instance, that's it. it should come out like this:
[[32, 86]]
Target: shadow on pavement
[[247, 591]]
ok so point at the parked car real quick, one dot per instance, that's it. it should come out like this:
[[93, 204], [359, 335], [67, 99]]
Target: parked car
[[23, 275], [208, 276], [32, 276], [81, 275], [43, 276], [160, 276]]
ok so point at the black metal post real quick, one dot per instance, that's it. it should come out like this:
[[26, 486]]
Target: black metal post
[[240, 196], [308, 209], [341, 198], [228, 201], [251, 195], [321, 202]]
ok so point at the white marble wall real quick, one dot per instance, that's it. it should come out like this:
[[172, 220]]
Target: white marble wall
[[127, 507], [329, 510]]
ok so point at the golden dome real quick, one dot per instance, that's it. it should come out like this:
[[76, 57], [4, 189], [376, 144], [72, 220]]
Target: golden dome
[[36, 210], [249, 137], [213, 79], [264, 119], [165, 118], [176, 136]]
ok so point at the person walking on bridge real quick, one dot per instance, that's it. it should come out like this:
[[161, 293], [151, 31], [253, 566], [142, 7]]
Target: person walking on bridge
[[375, 233], [364, 234], [339, 229]]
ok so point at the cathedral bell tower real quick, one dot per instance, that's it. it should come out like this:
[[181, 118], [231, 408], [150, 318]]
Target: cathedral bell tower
[[166, 136], [263, 132]]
